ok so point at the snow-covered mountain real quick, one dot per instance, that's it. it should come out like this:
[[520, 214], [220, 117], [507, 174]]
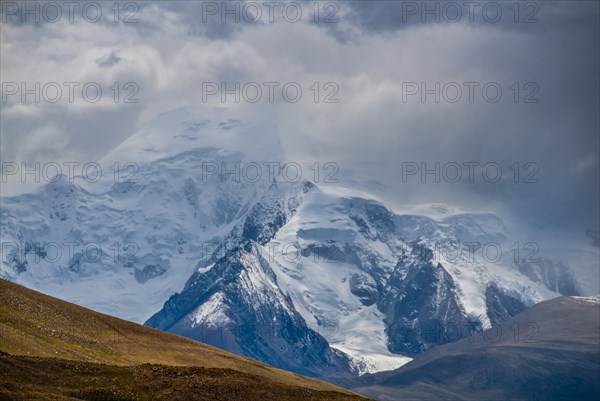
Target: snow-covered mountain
[[313, 278], [378, 285], [124, 244]]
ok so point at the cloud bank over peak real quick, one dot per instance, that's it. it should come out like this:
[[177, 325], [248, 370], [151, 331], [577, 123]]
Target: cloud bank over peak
[[409, 93]]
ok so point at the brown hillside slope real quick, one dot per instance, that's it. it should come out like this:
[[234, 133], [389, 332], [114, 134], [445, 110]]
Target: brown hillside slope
[[51, 349]]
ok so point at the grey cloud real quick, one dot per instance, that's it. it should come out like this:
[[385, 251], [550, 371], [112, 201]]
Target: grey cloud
[[371, 132], [531, 16]]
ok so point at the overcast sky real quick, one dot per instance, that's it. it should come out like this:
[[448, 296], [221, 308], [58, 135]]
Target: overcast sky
[[371, 54]]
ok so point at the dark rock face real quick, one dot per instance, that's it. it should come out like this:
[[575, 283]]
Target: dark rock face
[[331, 251], [501, 306], [149, 272], [364, 288], [263, 222], [234, 302], [17, 261], [238, 306], [376, 223], [75, 262], [421, 306], [257, 319], [17, 254], [554, 275]]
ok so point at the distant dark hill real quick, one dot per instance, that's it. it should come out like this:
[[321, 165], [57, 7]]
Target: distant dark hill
[[548, 352], [54, 350]]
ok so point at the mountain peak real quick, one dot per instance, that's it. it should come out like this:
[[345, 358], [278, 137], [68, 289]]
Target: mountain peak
[[184, 130]]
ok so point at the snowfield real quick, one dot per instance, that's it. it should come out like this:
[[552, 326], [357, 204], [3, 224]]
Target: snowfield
[[353, 270]]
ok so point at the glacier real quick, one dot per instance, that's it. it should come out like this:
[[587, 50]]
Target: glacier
[[311, 277]]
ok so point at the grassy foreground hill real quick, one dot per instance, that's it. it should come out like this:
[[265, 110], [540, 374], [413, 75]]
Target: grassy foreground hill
[[54, 350]]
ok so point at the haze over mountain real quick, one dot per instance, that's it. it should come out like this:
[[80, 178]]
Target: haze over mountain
[[337, 189], [295, 271]]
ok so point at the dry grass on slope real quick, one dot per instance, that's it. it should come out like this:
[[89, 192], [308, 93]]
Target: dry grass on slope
[[33, 325]]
